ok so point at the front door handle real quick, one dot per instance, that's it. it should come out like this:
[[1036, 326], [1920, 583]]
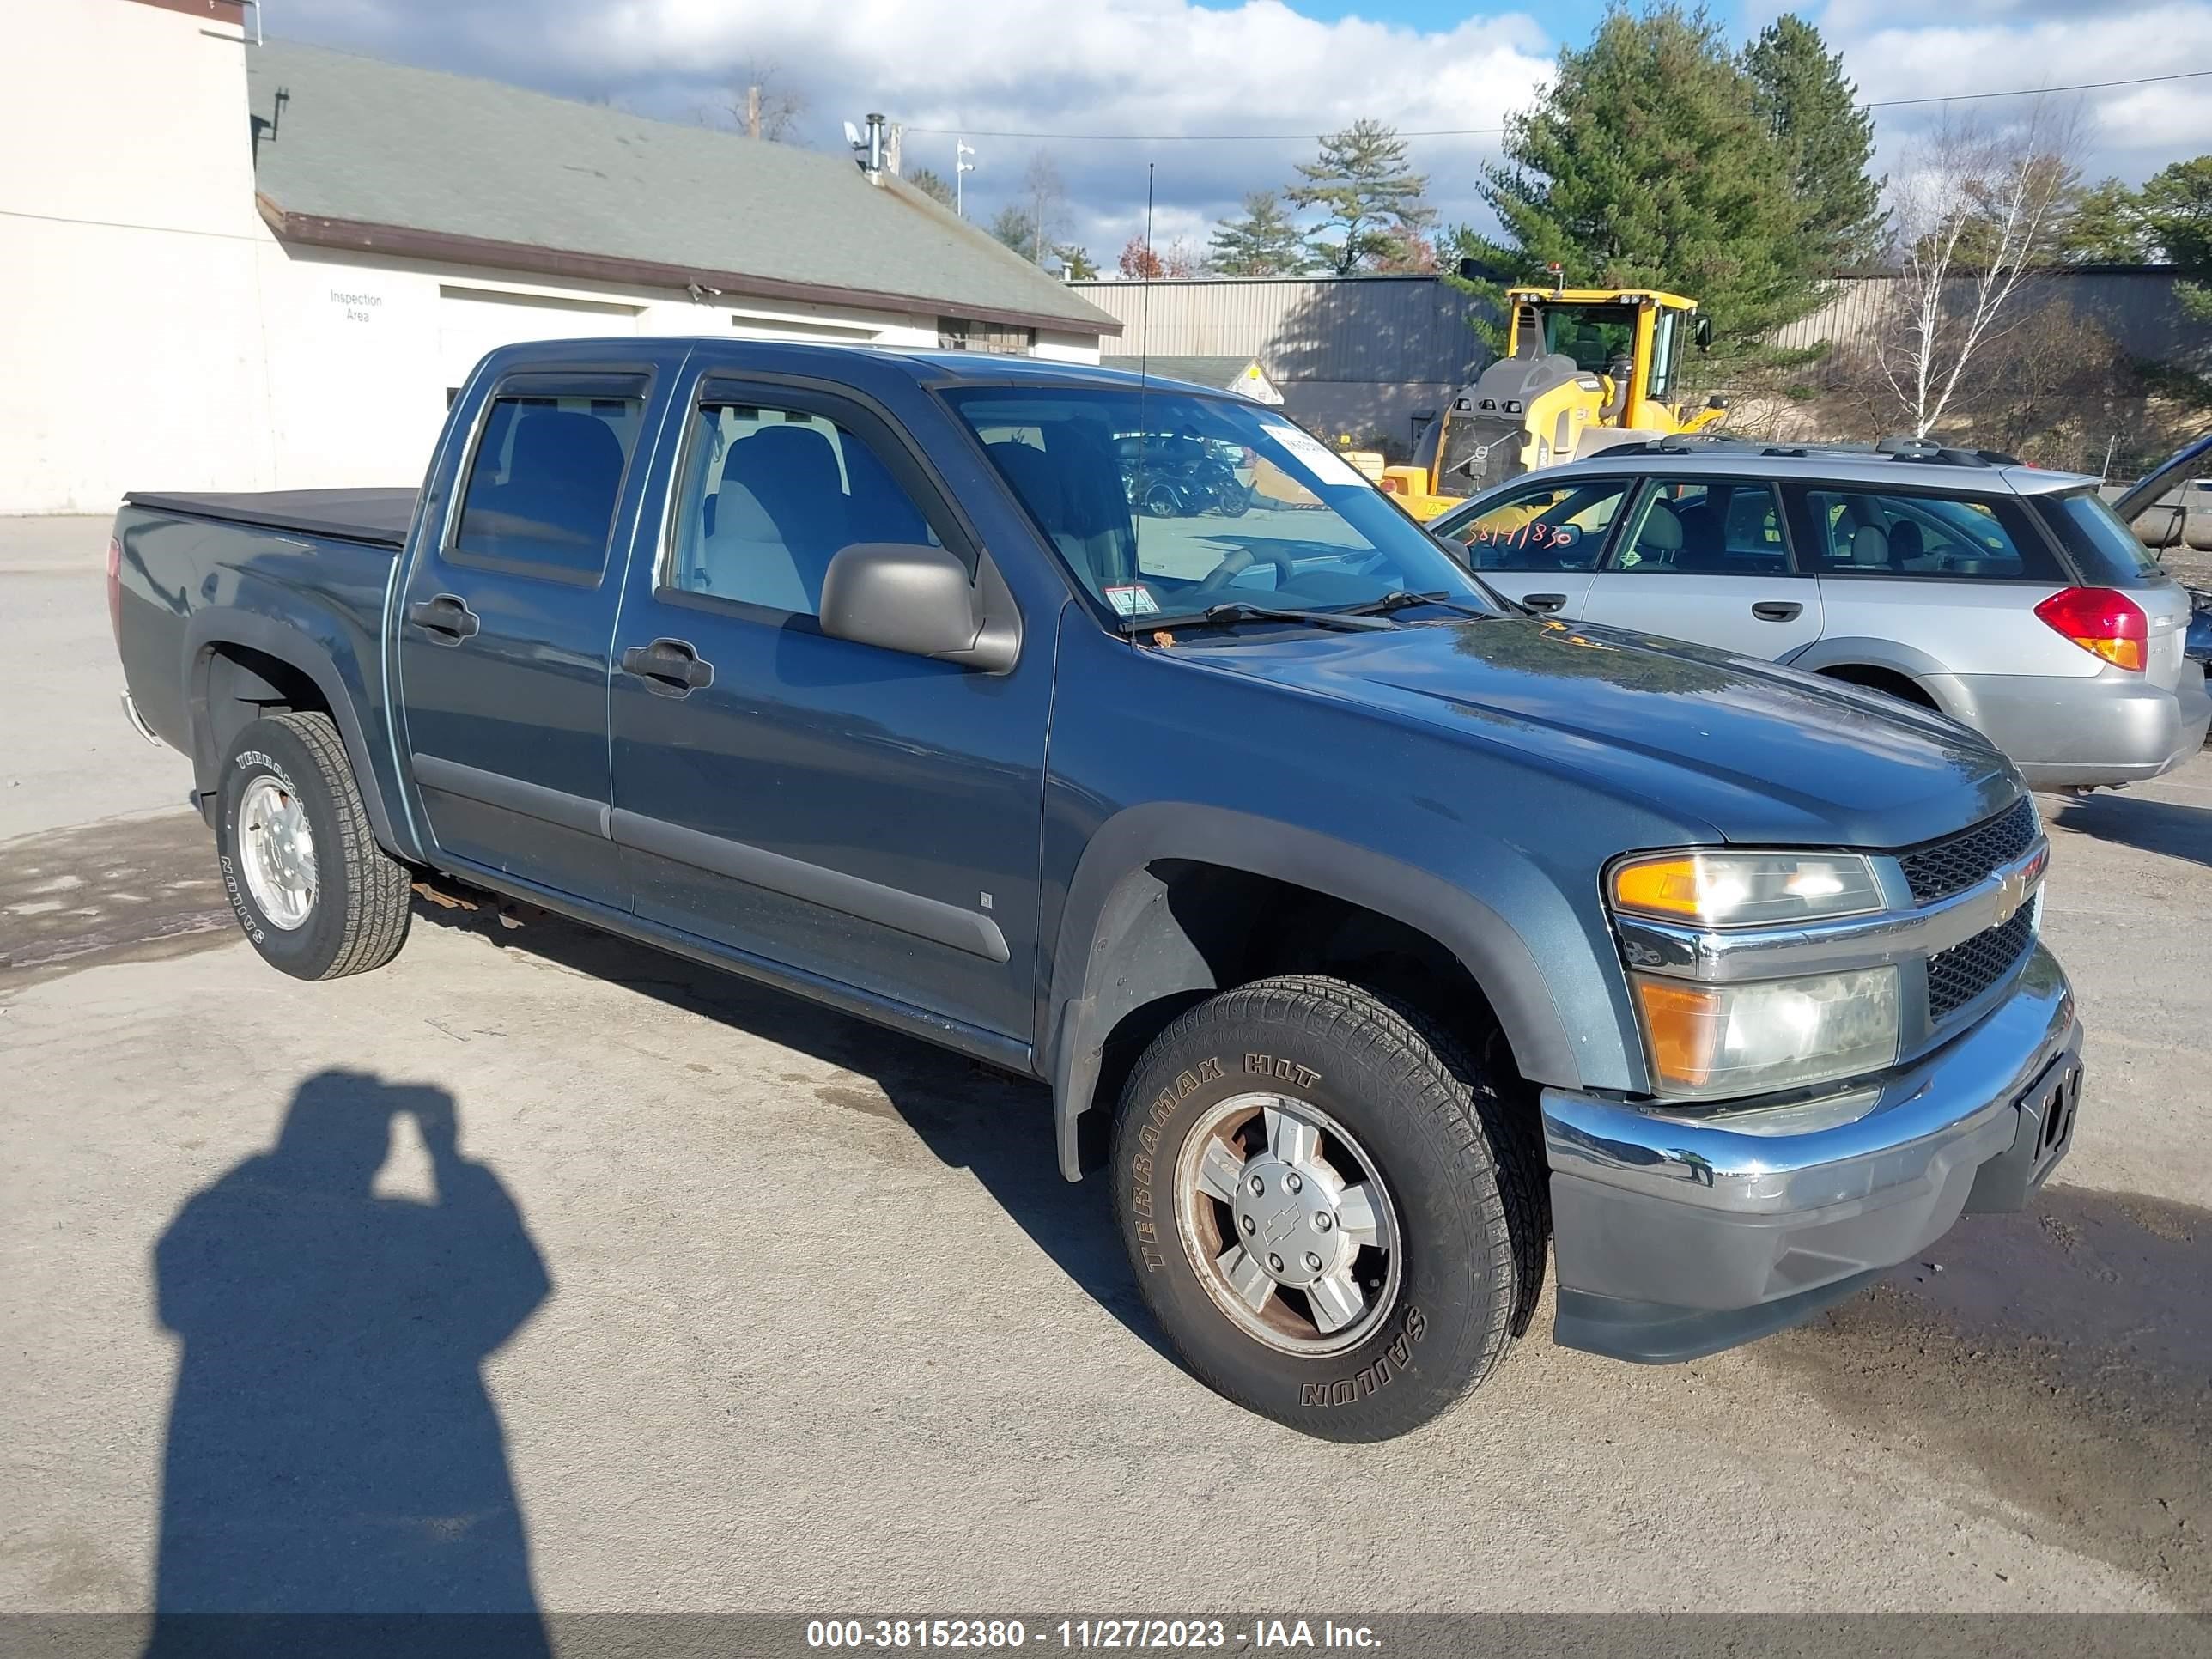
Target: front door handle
[[1544, 602], [669, 668], [1776, 610], [445, 617]]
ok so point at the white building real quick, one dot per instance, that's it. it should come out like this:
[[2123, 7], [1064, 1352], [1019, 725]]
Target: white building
[[231, 266]]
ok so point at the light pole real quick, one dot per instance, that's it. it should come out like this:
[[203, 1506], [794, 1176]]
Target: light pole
[[960, 169]]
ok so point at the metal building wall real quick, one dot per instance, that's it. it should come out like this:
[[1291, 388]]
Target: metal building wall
[[1362, 355], [1366, 354], [2135, 305]]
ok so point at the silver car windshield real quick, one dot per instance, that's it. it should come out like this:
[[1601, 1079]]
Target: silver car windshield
[[1165, 503]]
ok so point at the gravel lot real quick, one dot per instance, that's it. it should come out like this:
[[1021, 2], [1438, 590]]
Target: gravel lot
[[802, 1317]]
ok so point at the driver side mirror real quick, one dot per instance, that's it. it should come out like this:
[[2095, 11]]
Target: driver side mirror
[[914, 597], [1705, 334]]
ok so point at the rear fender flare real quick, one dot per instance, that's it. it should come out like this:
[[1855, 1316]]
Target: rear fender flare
[[290, 645], [1093, 985]]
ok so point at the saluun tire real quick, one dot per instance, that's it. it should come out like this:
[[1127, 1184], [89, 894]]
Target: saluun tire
[[1383, 1129], [312, 890]]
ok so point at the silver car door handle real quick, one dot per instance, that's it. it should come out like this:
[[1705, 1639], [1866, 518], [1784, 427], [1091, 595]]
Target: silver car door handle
[[1776, 610]]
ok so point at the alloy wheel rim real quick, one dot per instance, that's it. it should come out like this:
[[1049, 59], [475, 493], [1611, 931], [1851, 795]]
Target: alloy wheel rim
[[1287, 1222], [277, 849]]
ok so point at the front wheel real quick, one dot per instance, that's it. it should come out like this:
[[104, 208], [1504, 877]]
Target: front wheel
[[1327, 1207], [316, 894], [1161, 500]]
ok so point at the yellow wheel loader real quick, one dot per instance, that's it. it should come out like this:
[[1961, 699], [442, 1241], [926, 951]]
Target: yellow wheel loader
[[1584, 369]]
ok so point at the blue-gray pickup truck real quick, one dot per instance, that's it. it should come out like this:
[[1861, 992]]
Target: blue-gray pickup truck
[[1376, 934]]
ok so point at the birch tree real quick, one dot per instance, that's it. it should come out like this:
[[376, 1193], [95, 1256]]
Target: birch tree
[[1978, 215]]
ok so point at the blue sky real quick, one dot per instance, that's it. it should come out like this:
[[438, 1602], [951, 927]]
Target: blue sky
[[1199, 67], [1573, 19]]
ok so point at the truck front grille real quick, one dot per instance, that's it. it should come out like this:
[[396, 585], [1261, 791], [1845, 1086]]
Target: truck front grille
[[1937, 869], [1958, 975]]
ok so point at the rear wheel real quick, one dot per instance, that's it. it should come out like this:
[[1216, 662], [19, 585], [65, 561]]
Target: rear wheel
[[1161, 500], [1327, 1209], [316, 894]]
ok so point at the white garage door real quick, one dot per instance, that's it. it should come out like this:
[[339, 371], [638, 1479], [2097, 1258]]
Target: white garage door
[[472, 321]]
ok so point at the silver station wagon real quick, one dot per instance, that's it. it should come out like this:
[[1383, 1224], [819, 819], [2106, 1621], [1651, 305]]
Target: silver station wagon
[[2010, 598]]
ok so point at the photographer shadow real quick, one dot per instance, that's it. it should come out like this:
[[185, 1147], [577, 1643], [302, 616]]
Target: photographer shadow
[[332, 1452]]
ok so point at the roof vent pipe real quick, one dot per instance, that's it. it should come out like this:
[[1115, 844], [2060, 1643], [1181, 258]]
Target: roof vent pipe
[[873, 167]]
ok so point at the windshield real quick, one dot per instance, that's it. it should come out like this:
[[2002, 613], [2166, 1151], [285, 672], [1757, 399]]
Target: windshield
[[1163, 503], [1593, 336]]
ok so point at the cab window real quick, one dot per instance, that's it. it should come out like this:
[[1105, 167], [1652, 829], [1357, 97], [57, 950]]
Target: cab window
[[545, 478], [1706, 527], [1865, 532], [1547, 527], [1593, 336], [770, 498]]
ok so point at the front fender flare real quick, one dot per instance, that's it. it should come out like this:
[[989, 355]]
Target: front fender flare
[[1109, 884]]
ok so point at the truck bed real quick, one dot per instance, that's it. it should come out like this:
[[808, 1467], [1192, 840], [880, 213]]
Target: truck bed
[[378, 517]]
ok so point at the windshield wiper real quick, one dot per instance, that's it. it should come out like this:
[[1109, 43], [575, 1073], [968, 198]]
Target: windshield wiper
[[1244, 611], [1400, 601]]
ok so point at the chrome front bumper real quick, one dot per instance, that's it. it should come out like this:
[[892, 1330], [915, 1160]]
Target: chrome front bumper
[[1675, 1238]]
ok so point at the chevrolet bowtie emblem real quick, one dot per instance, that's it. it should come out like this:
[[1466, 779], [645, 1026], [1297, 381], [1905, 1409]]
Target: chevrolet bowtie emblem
[[2012, 893]]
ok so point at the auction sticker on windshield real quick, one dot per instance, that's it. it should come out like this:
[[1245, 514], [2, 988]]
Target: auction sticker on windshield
[[1132, 601], [1326, 466]]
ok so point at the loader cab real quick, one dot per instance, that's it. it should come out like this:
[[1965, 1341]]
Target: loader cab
[[1633, 337], [1577, 362]]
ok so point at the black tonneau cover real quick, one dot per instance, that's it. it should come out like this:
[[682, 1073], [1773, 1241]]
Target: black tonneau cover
[[379, 517]]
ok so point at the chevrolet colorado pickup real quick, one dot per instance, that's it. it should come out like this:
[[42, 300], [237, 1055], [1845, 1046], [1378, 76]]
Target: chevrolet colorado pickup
[[1378, 935]]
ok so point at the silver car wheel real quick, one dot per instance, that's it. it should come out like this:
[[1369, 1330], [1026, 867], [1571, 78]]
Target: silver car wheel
[[276, 845], [1287, 1222]]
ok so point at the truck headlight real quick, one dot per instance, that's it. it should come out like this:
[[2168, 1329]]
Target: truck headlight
[[1713, 1040], [1739, 890]]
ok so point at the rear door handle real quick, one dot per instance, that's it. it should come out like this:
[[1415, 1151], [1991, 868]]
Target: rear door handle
[[1776, 610], [1545, 602], [445, 617], [669, 668]]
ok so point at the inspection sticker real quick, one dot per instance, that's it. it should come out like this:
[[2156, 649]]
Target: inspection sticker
[[1132, 601], [1326, 466]]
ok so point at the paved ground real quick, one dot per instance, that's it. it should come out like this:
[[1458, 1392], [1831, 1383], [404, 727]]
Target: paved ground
[[806, 1320]]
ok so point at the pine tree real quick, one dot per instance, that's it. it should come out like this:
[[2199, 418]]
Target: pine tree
[[1645, 164], [931, 185], [1265, 242], [1799, 90], [1017, 230], [2167, 222], [1373, 198], [1075, 261]]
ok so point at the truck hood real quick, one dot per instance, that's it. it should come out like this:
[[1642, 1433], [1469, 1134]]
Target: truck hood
[[1762, 754]]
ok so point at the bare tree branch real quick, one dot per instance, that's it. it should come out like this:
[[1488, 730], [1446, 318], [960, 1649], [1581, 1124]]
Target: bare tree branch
[[764, 104], [1977, 215]]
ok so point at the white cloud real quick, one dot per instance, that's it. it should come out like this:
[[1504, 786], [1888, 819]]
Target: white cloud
[[1100, 66], [1996, 46], [1176, 67]]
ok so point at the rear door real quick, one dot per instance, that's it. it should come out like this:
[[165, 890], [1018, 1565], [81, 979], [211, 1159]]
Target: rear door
[[505, 624], [1539, 542], [1708, 560]]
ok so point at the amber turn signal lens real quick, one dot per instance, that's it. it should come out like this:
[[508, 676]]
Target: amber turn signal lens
[[1661, 886], [1683, 1025]]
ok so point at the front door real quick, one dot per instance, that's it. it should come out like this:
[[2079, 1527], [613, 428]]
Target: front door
[[1539, 543], [854, 813], [504, 627], [1708, 560]]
